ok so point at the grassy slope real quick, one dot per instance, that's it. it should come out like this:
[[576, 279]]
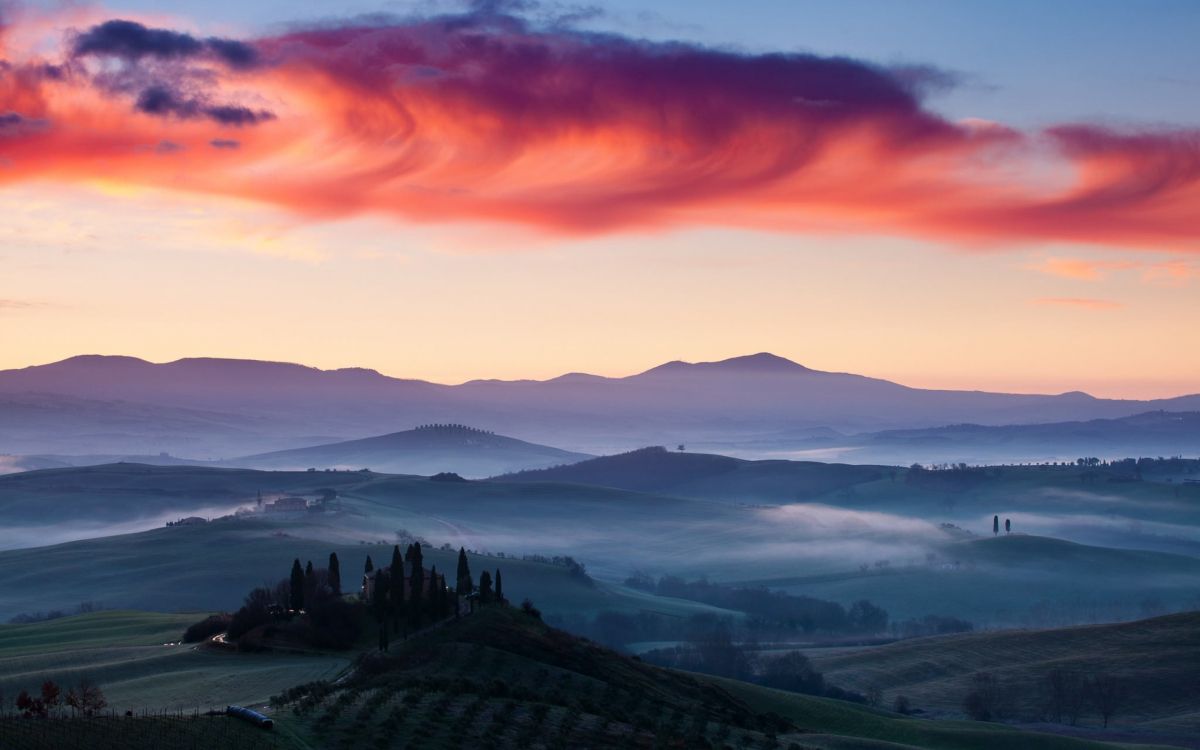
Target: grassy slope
[[444, 691], [137, 660], [1017, 580], [211, 567], [831, 722], [1160, 658], [706, 476]]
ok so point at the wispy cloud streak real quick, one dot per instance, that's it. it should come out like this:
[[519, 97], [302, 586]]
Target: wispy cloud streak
[[487, 116]]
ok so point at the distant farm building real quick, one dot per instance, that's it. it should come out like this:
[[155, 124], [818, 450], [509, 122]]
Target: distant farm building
[[288, 505]]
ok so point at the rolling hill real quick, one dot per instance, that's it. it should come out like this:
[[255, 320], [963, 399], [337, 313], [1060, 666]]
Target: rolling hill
[[708, 476], [498, 678], [502, 679], [426, 450], [1159, 658], [216, 408]]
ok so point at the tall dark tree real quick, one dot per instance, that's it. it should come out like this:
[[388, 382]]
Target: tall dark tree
[[1008, 526], [396, 577], [368, 566], [416, 586], [380, 607], [335, 574], [499, 587], [485, 587], [296, 598], [463, 583], [432, 602], [995, 524], [310, 585]]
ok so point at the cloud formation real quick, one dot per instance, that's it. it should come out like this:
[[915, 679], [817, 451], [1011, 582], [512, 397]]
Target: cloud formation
[[487, 116]]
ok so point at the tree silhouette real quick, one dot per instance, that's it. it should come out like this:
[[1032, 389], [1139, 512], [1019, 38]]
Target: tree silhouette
[[995, 524], [464, 584], [1107, 693], [417, 585], [368, 566], [1008, 526], [499, 587], [485, 587], [396, 579], [296, 600], [335, 574]]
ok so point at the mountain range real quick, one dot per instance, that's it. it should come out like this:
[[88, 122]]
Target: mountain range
[[208, 408]]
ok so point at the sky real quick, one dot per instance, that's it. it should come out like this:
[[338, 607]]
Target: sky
[[1000, 196]]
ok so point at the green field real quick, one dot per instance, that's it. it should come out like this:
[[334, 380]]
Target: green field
[[500, 679], [210, 567], [138, 661], [1158, 658]]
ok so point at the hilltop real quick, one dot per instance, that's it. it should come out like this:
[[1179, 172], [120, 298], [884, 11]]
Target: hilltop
[[705, 475], [425, 450]]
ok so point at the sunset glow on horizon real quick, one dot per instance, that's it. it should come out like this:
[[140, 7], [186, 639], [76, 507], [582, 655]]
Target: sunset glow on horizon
[[492, 191]]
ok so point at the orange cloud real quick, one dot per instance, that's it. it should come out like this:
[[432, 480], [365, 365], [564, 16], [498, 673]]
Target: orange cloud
[[485, 117], [1083, 303]]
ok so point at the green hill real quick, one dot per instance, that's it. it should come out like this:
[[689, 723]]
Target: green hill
[[1017, 581], [137, 659], [1159, 658], [211, 566], [426, 450], [707, 476], [501, 679]]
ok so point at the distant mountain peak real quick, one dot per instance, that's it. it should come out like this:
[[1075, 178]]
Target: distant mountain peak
[[763, 362]]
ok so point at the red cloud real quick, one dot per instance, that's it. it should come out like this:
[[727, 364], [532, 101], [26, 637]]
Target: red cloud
[[484, 117]]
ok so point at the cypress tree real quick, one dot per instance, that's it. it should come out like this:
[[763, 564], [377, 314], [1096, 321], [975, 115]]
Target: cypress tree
[[417, 585], [485, 587], [296, 601], [368, 566], [499, 587], [1008, 526], [335, 574], [379, 607], [464, 584], [310, 585], [995, 525], [431, 606], [396, 577]]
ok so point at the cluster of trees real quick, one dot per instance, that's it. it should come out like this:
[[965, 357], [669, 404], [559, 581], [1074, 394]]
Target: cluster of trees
[[27, 618], [307, 606], [952, 478], [85, 699], [1064, 696], [713, 650], [772, 610], [930, 625], [403, 599]]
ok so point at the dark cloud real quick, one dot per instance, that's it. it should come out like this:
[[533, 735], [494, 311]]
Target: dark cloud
[[131, 40], [163, 101], [225, 143]]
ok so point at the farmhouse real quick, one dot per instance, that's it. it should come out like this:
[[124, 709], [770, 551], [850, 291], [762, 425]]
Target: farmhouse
[[288, 505]]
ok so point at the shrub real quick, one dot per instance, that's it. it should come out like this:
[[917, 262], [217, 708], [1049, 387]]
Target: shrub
[[207, 628]]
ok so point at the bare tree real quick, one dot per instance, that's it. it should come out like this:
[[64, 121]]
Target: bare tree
[[1108, 693], [1066, 692]]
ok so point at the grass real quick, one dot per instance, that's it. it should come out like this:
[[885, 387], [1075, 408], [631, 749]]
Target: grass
[[500, 679], [210, 567], [137, 660], [1159, 658], [835, 724], [139, 733]]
